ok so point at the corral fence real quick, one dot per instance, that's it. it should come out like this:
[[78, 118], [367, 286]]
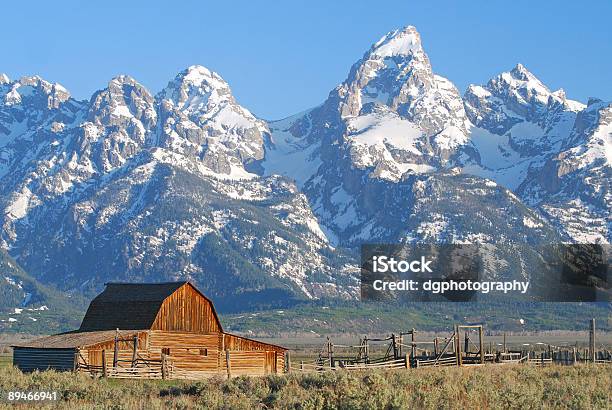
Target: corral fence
[[465, 346]]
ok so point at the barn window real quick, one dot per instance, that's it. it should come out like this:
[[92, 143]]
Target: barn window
[[166, 351], [203, 352]]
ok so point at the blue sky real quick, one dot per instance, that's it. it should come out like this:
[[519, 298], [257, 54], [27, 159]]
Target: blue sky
[[283, 57]]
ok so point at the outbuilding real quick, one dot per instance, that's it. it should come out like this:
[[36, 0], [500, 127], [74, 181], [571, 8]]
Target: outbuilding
[[152, 330]]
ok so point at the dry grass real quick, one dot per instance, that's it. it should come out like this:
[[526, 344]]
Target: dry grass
[[489, 387]]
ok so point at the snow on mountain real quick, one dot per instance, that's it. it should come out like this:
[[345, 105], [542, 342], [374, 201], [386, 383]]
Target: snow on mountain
[[188, 184], [201, 118], [363, 155], [395, 78], [554, 152], [164, 187], [392, 116], [573, 187]]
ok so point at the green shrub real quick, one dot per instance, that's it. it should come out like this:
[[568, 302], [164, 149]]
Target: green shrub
[[487, 387]]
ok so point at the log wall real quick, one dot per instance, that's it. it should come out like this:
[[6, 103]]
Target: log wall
[[187, 350], [274, 361]]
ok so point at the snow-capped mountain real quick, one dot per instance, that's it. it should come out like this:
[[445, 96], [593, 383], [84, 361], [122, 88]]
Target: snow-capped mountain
[[132, 186], [189, 184], [392, 115], [199, 117], [393, 119], [555, 153]]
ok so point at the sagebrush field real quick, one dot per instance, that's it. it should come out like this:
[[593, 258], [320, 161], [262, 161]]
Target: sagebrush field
[[487, 387]]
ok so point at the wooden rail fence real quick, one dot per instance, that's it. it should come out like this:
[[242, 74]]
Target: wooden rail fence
[[465, 346]]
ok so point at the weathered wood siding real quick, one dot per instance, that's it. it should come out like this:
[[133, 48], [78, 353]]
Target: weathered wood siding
[[245, 363], [274, 357], [204, 354], [233, 342], [280, 362], [187, 350], [125, 343], [30, 359], [187, 310]]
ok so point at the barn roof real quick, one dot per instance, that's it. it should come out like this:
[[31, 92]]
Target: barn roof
[[75, 339], [138, 292], [129, 305]]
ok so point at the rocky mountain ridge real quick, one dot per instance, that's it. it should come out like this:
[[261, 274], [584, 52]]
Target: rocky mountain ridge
[[188, 184]]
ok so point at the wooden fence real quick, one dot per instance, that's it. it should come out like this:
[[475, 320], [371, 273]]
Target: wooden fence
[[321, 367], [447, 361], [231, 364]]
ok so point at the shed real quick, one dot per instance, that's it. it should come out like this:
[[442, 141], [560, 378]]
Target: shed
[[151, 330]]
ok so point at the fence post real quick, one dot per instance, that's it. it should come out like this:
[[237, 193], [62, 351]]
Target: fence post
[[288, 364], [406, 361], [481, 336], [75, 365], [104, 369], [412, 343], [456, 344], [228, 363], [163, 366], [134, 351], [592, 342], [116, 350], [549, 352]]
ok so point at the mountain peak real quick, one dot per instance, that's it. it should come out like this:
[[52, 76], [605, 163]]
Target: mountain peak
[[520, 76], [401, 42], [193, 87], [34, 88], [122, 79], [122, 88], [200, 76], [521, 72], [521, 83], [123, 99]]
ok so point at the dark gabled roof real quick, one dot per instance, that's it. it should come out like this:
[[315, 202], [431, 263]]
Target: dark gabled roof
[[127, 305], [140, 292]]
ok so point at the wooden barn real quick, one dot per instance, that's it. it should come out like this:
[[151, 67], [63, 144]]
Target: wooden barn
[[153, 330]]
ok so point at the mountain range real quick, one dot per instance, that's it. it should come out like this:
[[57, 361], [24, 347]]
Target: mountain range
[[189, 184]]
